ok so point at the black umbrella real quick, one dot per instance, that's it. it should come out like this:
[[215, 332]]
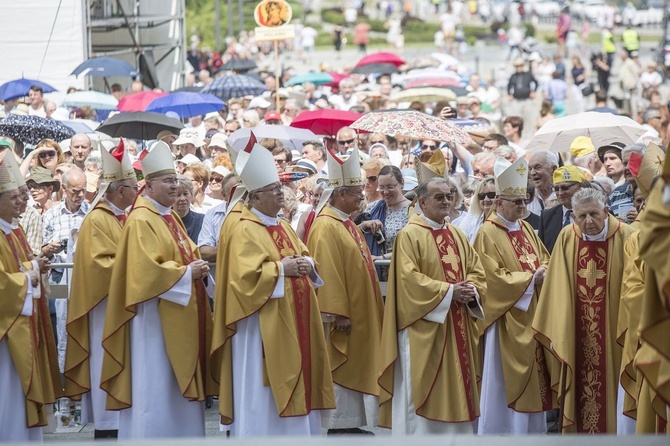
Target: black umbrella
[[33, 129], [139, 125], [239, 65], [376, 68]]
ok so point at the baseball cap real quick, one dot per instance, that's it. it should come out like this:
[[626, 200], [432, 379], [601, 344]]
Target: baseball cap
[[568, 174], [581, 145], [272, 116]]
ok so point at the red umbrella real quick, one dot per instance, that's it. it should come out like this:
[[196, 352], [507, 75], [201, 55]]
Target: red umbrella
[[337, 77], [139, 101], [381, 57], [325, 122], [433, 82]]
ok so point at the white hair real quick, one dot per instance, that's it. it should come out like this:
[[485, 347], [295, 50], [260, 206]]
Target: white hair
[[588, 196], [550, 158], [635, 147], [606, 182]]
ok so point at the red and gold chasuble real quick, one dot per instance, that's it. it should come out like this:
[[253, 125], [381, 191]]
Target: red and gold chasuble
[[590, 333], [529, 262], [301, 294], [453, 273], [204, 311], [365, 251]]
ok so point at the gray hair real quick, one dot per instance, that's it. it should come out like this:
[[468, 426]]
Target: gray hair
[[346, 82], [422, 190], [65, 178], [583, 161], [589, 196], [635, 147], [550, 158], [93, 161], [185, 182], [506, 152], [606, 182], [116, 185]]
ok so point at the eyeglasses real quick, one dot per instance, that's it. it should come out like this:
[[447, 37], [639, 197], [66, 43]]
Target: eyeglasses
[[280, 162], [563, 188], [216, 179], [36, 186], [428, 147], [372, 178], [346, 142], [389, 187], [443, 197], [135, 188], [49, 154], [518, 201], [489, 195]]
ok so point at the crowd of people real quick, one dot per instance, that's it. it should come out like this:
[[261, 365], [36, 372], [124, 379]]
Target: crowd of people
[[525, 290]]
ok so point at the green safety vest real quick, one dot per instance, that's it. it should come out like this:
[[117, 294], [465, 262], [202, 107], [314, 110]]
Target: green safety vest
[[608, 42], [631, 41]]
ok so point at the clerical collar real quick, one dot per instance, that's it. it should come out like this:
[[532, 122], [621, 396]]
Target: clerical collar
[[340, 214], [115, 209], [511, 225], [163, 210], [432, 223], [6, 226], [600, 237], [265, 219]]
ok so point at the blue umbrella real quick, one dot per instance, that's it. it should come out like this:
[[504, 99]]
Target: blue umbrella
[[20, 87], [105, 67], [235, 86], [186, 104], [318, 78]]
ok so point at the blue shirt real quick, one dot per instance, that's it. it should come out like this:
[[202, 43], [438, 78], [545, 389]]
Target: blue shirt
[[211, 225]]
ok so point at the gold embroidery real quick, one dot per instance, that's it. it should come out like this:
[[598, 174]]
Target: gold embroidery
[[591, 273]]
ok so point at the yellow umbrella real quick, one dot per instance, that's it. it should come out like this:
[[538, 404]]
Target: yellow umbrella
[[424, 94]]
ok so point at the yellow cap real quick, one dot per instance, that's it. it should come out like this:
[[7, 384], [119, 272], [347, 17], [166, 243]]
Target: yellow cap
[[568, 174], [581, 145]]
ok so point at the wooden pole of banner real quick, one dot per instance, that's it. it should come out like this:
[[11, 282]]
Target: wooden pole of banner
[[276, 42]]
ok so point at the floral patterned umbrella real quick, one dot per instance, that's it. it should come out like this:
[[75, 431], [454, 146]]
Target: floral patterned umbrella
[[412, 124]]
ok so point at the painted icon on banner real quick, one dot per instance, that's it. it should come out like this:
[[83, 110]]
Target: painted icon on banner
[[273, 13]]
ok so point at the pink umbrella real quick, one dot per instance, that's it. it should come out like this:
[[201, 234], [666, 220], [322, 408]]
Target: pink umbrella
[[325, 122], [337, 77], [381, 57], [433, 82], [138, 101]]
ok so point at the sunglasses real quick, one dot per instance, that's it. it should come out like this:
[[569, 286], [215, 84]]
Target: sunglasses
[[518, 201], [428, 147], [49, 154], [345, 142], [372, 179], [489, 195], [280, 162], [563, 188], [216, 179]]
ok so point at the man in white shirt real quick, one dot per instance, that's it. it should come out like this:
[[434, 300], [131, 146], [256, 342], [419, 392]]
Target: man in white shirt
[[36, 95], [346, 99]]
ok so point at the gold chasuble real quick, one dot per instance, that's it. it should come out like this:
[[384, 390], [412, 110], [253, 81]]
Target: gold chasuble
[[351, 289], [29, 338], [152, 256], [510, 260], [295, 360], [653, 356], [443, 357], [91, 279], [577, 320]]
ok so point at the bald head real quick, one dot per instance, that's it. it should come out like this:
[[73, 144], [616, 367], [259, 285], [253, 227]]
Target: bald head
[[80, 146]]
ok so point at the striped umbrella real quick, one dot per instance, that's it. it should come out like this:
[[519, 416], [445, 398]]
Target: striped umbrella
[[235, 86]]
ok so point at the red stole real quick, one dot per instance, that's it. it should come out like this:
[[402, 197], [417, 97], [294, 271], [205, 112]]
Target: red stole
[[453, 273], [187, 256], [529, 261], [365, 251], [300, 288], [590, 334]]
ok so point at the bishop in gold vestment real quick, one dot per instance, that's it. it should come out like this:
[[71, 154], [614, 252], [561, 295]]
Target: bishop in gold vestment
[[429, 340], [577, 320]]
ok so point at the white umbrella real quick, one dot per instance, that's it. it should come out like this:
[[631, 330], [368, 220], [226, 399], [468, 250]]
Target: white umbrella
[[603, 128], [291, 137], [94, 99]]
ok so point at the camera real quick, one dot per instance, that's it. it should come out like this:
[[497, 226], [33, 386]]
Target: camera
[[379, 237]]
